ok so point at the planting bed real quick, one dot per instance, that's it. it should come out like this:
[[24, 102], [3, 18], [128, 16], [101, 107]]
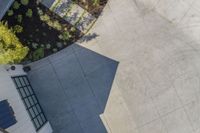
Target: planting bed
[[42, 37], [43, 31]]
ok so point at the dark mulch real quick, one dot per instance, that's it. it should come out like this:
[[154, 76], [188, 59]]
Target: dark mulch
[[36, 31]]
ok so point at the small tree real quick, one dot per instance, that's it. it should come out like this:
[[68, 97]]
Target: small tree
[[11, 50]]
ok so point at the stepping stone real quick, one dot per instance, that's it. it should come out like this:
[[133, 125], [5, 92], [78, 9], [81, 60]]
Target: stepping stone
[[72, 13]]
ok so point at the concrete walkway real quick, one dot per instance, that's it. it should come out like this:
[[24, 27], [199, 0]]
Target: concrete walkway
[[156, 88]]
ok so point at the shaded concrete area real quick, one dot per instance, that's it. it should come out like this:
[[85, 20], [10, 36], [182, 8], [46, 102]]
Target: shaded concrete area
[[73, 87]]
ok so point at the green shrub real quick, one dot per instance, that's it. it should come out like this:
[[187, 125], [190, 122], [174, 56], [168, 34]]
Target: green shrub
[[95, 2], [16, 5], [17, 29], [48, 46], [10, 12], [35, 45], [64, 36], [38, 54], [24, 2], [55, 49], [19, 18], [73, 29], [29, 13], [45, 18], [40, 12], [57, 25], [51, 23], [11, 49]]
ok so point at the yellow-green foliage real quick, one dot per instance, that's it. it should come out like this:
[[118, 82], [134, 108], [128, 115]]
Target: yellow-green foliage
[[17, 29], [11, 50], [52, 23]]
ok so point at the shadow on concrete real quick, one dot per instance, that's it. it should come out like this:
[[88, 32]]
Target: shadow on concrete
[[73, 87], [88, 37]]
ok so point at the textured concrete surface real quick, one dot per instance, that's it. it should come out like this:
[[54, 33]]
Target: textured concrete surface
[[73, 87], [156, 88]]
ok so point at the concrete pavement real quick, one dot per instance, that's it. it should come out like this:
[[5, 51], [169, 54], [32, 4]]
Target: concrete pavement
[[156, 87], [157, 45]]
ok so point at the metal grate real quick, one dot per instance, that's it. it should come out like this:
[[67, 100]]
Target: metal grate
[[30, 100]]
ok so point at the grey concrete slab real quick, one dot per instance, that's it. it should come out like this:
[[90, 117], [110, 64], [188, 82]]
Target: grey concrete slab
[[65, 122], [92, 126], [69, 99], [39, 82], [90, 61], [67, 69], [101, 85]]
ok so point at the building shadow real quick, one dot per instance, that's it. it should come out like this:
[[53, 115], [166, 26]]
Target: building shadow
[[73, 87]]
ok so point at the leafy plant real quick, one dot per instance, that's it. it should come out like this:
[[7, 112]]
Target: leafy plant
[[29, 13], [64, 36], [10, 12], [48, 46], [95, 2], [73, 29], [35, 45], [38, 54], [55, 49], [44, 17], [24, 2], [57, 25], [16, 5], [40, 12], [17, 29], [11, 49], [51, 23], [19, 18]]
